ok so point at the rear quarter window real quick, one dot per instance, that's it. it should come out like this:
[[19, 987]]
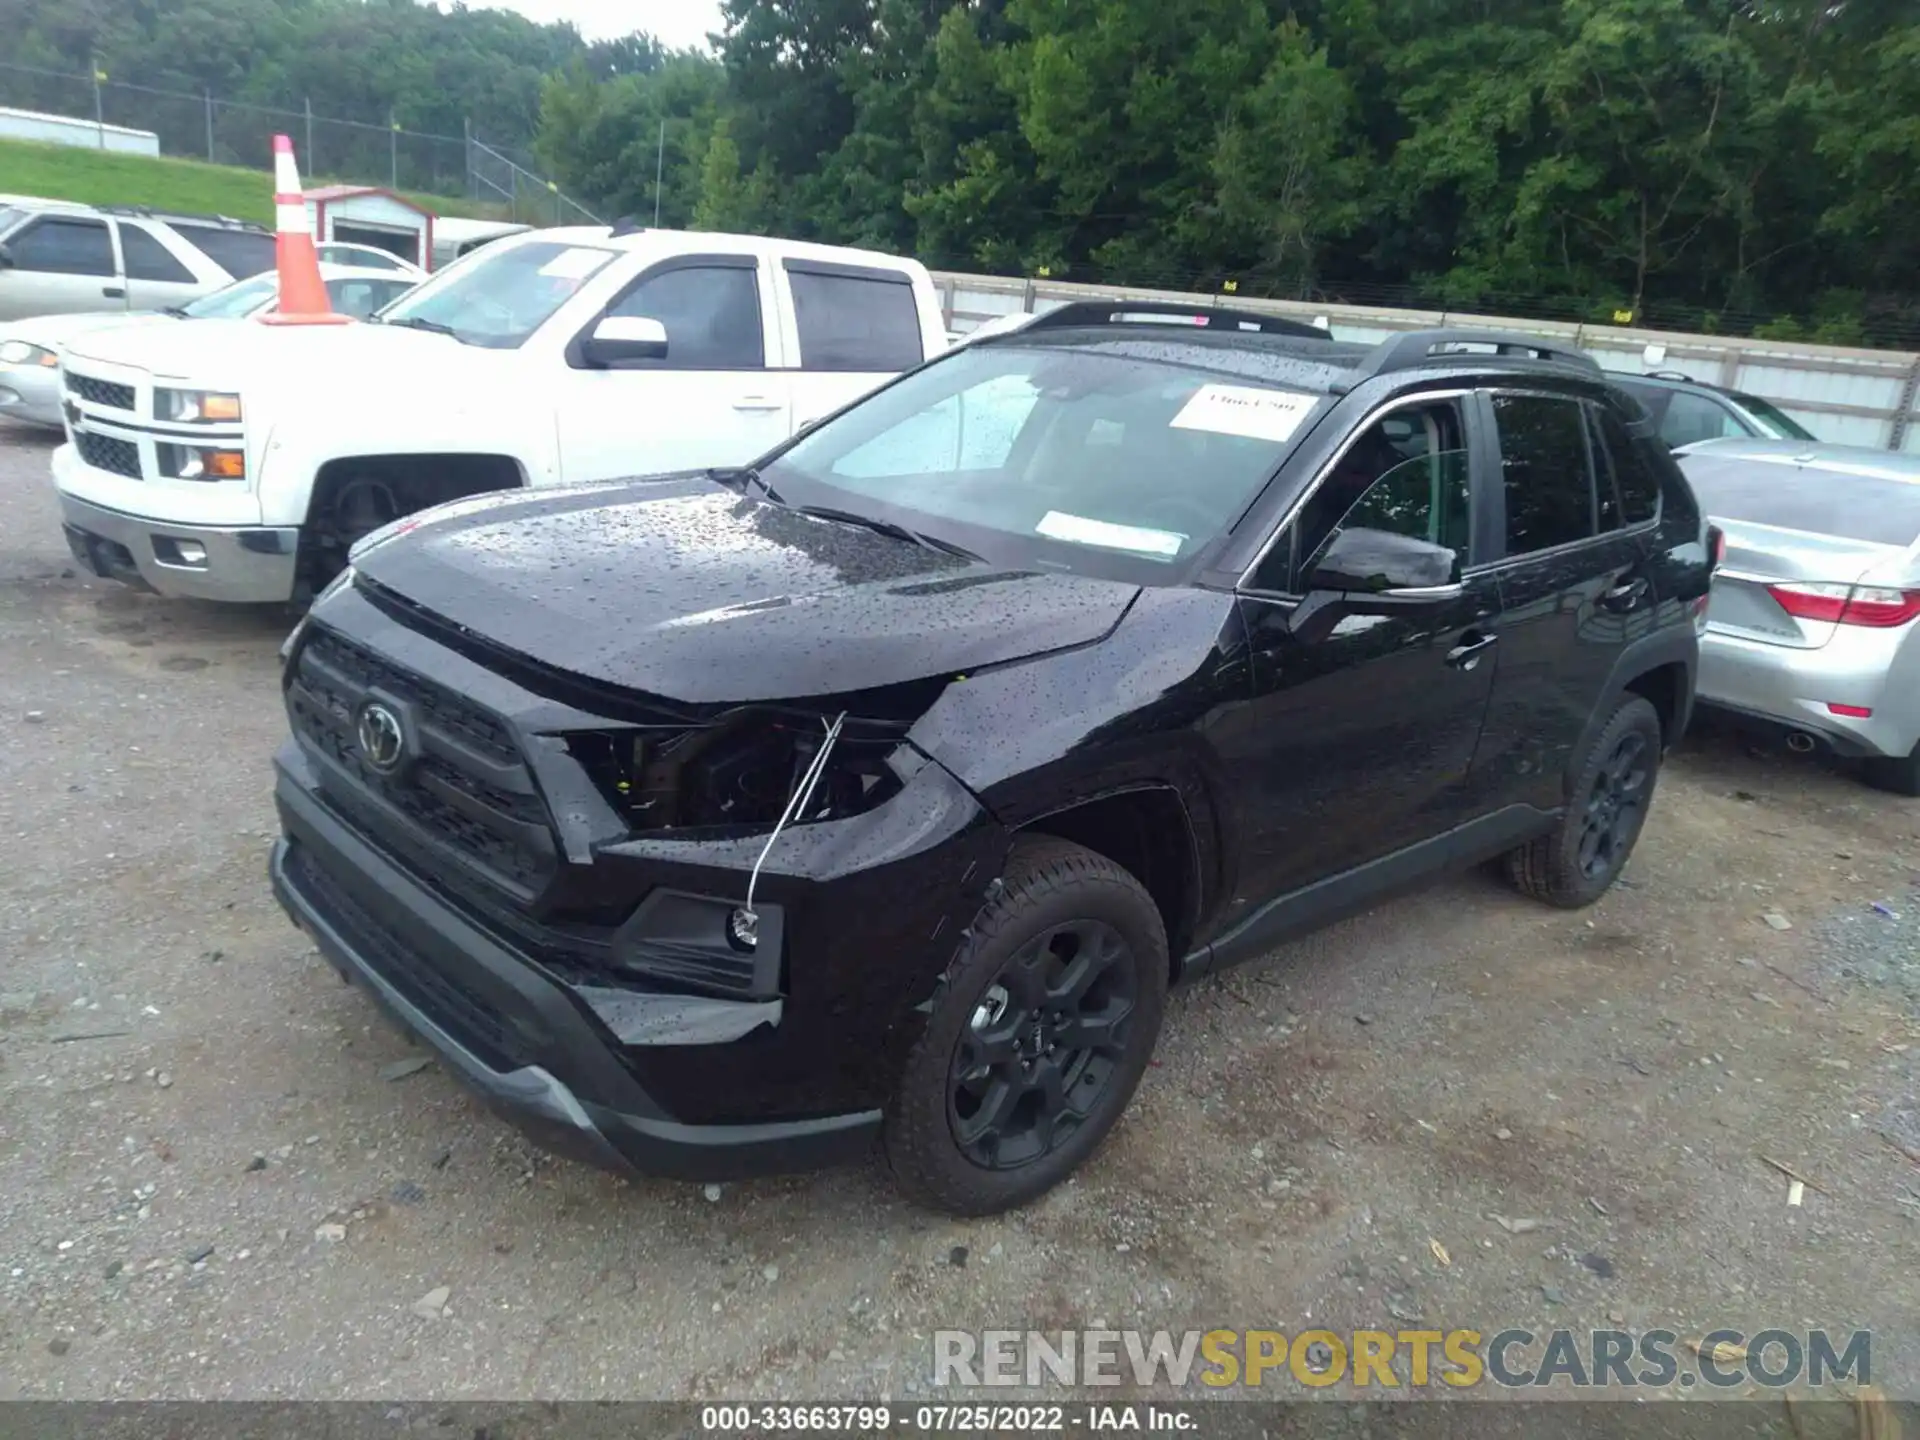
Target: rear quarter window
[[855, 321], [1847, 507], [238, 252]]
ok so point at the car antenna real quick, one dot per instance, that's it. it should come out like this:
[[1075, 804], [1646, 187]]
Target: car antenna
[[626, 225], [796, 803]]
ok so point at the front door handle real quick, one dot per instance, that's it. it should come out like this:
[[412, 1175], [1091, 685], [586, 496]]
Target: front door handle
[[114, 292], [1466, 655], [755, 402], [1626, 595]]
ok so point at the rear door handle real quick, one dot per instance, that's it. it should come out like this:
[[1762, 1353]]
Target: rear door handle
[[1467, 653], [114, 292], [1625, 596]]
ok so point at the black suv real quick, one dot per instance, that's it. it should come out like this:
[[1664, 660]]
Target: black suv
[[733, 822]]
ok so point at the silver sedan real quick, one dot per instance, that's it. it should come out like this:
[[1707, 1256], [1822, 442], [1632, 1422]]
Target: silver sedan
[[1814, 622]]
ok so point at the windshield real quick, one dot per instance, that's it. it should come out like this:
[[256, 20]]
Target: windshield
[[1779, 424], [499, 297], [241, 298], [1115, 451]]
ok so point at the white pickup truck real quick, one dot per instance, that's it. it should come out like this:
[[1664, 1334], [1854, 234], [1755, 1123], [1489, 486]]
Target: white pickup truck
[[234, 461]]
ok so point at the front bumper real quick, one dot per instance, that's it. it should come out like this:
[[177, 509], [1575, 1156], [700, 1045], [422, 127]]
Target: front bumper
[[31, 393], [1794, 689], [238, 564], [511, 1033]]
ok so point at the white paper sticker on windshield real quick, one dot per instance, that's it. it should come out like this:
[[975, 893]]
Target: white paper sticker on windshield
[[1239, 410], [574, 264], [1082, 531]]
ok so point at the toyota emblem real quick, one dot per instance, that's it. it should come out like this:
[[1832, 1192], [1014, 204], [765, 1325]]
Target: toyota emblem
[[382, 741]]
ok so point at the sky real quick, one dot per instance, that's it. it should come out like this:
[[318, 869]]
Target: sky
[[678, 24]]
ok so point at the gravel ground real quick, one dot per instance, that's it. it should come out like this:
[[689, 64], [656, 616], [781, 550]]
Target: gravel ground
[[217, 1184]]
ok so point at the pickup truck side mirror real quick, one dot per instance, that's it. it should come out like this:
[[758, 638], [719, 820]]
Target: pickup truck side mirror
[[6, 256], [620, 338], [1375, 572]]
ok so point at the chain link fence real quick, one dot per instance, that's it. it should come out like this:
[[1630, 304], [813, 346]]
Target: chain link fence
[[234, 132]]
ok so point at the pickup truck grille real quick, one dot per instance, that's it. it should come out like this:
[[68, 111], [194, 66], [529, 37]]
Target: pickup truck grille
[[462, 791], [109, 453], [100, 392]]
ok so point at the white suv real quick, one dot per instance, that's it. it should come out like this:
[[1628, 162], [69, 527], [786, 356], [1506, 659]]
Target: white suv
[[58, 259]]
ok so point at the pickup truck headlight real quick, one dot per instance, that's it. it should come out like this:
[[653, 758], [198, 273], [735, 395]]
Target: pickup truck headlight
[[192, 462], [196, 407], [19, 352]]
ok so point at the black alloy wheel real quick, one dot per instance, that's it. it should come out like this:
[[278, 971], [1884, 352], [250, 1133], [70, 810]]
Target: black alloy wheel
[[1615, 808], [1043, 1044], [1036, 1033]]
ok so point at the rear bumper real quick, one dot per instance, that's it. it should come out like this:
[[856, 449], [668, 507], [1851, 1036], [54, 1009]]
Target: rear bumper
[[242, 565], [453, 986], [1795, 689]]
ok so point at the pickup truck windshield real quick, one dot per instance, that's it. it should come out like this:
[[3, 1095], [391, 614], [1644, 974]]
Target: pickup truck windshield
[[498, 297], [1141, 457]]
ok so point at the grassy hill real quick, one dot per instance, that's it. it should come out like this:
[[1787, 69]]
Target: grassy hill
[[100, 177]]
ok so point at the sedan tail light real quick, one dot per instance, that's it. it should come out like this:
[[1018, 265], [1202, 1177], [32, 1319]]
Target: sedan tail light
[[1874, 606]]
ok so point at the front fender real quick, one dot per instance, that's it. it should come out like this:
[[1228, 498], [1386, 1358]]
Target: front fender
[[295, 452]]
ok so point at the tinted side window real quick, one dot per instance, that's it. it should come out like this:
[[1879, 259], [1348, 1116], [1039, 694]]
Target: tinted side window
[[238, 252], [850, 323], [1633, 471], [1695, 417], [1406, 473], [63, 247], [148, 259], [711, 313], [1547, 470]]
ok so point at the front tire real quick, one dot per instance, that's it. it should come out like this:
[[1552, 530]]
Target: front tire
[[1576, 862], [1039, 1034]]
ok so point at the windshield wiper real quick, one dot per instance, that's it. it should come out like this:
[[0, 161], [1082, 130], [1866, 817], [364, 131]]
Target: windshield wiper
[[888, 527], [414, 322], [742, 476]]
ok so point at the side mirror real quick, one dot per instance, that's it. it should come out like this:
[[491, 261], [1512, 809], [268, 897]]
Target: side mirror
[[620, 338], [1362, 562], [6, 256]]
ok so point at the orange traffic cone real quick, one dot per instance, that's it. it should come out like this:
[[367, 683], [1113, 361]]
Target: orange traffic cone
[[303, 294]]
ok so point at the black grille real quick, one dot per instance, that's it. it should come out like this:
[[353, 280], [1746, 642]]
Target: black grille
[[105, 452], [469, 1015], [464, 785], [101, 392]]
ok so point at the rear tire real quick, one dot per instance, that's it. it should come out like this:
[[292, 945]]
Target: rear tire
[[1901, 776], [1040, 1031], [1576, 862]]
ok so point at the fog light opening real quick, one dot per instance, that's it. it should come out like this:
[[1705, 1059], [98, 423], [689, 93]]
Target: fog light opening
[[192, 552], [743, 929]]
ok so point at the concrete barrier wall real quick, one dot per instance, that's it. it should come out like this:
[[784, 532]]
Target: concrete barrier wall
[[1847, 396]]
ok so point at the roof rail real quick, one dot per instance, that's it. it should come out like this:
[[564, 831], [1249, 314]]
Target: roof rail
[[1415, 348], [1106, 312], [147, 212]]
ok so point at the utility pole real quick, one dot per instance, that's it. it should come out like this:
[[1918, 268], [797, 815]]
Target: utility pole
[[659, 171], [99, 114]]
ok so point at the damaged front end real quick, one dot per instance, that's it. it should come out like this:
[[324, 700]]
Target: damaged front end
[[747, 945]]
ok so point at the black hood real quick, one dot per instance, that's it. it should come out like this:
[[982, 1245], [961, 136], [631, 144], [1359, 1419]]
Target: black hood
[[688, 591]]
